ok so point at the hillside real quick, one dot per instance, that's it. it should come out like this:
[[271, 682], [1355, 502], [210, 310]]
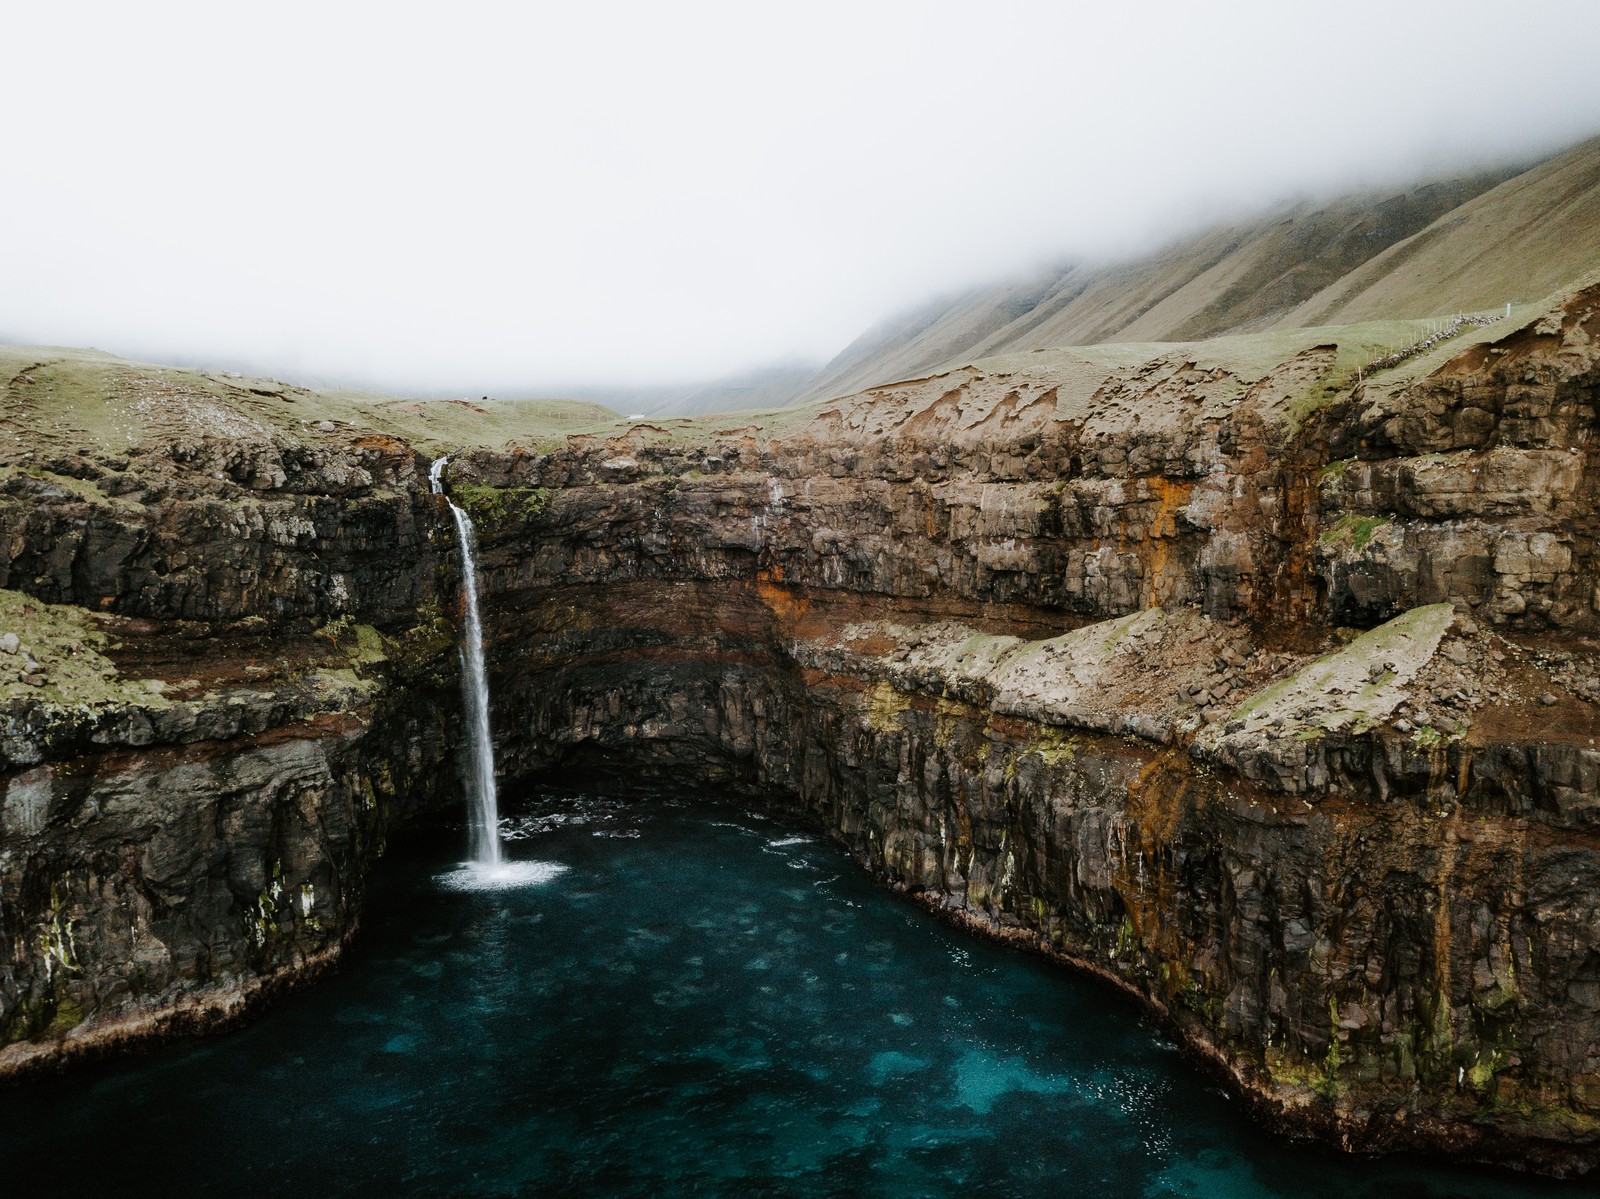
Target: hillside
[[58, 401], [1252, 676], [1467, 243], [1521, 240], [63, 410]]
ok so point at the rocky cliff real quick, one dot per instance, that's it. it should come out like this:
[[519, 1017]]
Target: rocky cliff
[[1259, 685], [223, 670]]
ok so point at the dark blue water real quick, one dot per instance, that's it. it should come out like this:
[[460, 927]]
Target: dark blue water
[[702, 1003]]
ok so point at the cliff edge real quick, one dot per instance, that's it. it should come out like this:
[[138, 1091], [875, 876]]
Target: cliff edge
[[1258, 676]]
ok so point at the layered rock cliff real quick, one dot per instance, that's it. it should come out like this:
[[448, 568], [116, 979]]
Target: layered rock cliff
[[224, 674], [1264, 690]]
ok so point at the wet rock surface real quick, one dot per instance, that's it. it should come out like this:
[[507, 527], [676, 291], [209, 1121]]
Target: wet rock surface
[[222, 666], [1268, 699]]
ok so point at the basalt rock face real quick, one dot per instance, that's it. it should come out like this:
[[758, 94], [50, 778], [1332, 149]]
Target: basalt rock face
[[1167, 485], [165, 890], [1374, 952], [241, 681], [222, 530], [1067, 668], [1476, 485], [1269, 698]]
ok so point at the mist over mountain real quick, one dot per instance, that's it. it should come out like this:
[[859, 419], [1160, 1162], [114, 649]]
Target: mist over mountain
[[1465, 242], [772, 386]]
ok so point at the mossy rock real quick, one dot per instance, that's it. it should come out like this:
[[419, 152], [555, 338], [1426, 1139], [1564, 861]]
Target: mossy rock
[[1354, 531], [491, 507], [67, 1015]]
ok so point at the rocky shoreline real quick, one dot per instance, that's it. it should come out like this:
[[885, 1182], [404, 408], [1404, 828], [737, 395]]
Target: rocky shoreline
[[1272, 704]]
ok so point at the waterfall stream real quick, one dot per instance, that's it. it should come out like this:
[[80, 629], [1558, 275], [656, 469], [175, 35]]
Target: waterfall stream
[[482, 803]]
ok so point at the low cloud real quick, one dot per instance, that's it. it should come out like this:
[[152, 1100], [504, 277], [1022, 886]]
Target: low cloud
[[516, 200]]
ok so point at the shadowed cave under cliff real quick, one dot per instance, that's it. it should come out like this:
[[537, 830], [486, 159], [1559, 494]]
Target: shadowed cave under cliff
[[1081, 681]]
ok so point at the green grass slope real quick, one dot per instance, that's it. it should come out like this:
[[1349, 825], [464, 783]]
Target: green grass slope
[[59, 404], [1516, 242], [1221, 280], [55, 400], [1471, 243]]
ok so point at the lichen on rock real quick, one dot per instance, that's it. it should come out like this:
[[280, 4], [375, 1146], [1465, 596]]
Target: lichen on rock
[[1267, 695]]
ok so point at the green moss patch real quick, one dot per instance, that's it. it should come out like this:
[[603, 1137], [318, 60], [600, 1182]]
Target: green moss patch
[[1354, 531], [492, 506], [63, 644], [1335, 470]]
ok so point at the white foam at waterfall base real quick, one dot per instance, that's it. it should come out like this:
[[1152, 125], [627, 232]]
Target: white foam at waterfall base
[[498, 876]]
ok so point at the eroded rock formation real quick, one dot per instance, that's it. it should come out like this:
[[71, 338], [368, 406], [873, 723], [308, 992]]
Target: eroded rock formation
[[1269, 698], [194, 782]]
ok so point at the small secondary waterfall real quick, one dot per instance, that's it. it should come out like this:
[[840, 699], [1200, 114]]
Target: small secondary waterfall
[[483, 804]]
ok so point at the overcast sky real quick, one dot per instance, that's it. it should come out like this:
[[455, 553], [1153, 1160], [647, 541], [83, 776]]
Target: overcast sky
[[512, 197]]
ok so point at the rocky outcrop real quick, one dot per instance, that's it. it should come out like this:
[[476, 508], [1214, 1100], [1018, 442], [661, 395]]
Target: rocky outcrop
[[1376, 930], [168, 860], [1270, 700], [1077, 680], [221, 531], [1158, 484], [1475, 486], [224, 677]]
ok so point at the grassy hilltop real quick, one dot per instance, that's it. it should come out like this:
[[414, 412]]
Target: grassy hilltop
[[65, 401]]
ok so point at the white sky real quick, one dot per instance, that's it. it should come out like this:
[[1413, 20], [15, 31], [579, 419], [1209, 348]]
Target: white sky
[[511, 197]]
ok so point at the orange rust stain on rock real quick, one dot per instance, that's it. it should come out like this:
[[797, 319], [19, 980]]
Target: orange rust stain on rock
[[384, 443], [1170, 495], [1159, 798], [784, 603], [813, 677], [1156, 798]]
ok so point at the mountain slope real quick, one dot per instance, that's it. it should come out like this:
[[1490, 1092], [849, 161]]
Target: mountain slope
[[1519, 241], [1471, 242]]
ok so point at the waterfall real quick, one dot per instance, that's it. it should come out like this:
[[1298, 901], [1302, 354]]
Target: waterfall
[[482, 804]]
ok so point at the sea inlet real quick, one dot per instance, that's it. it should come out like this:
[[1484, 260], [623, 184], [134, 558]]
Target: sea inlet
[[674, 996]]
